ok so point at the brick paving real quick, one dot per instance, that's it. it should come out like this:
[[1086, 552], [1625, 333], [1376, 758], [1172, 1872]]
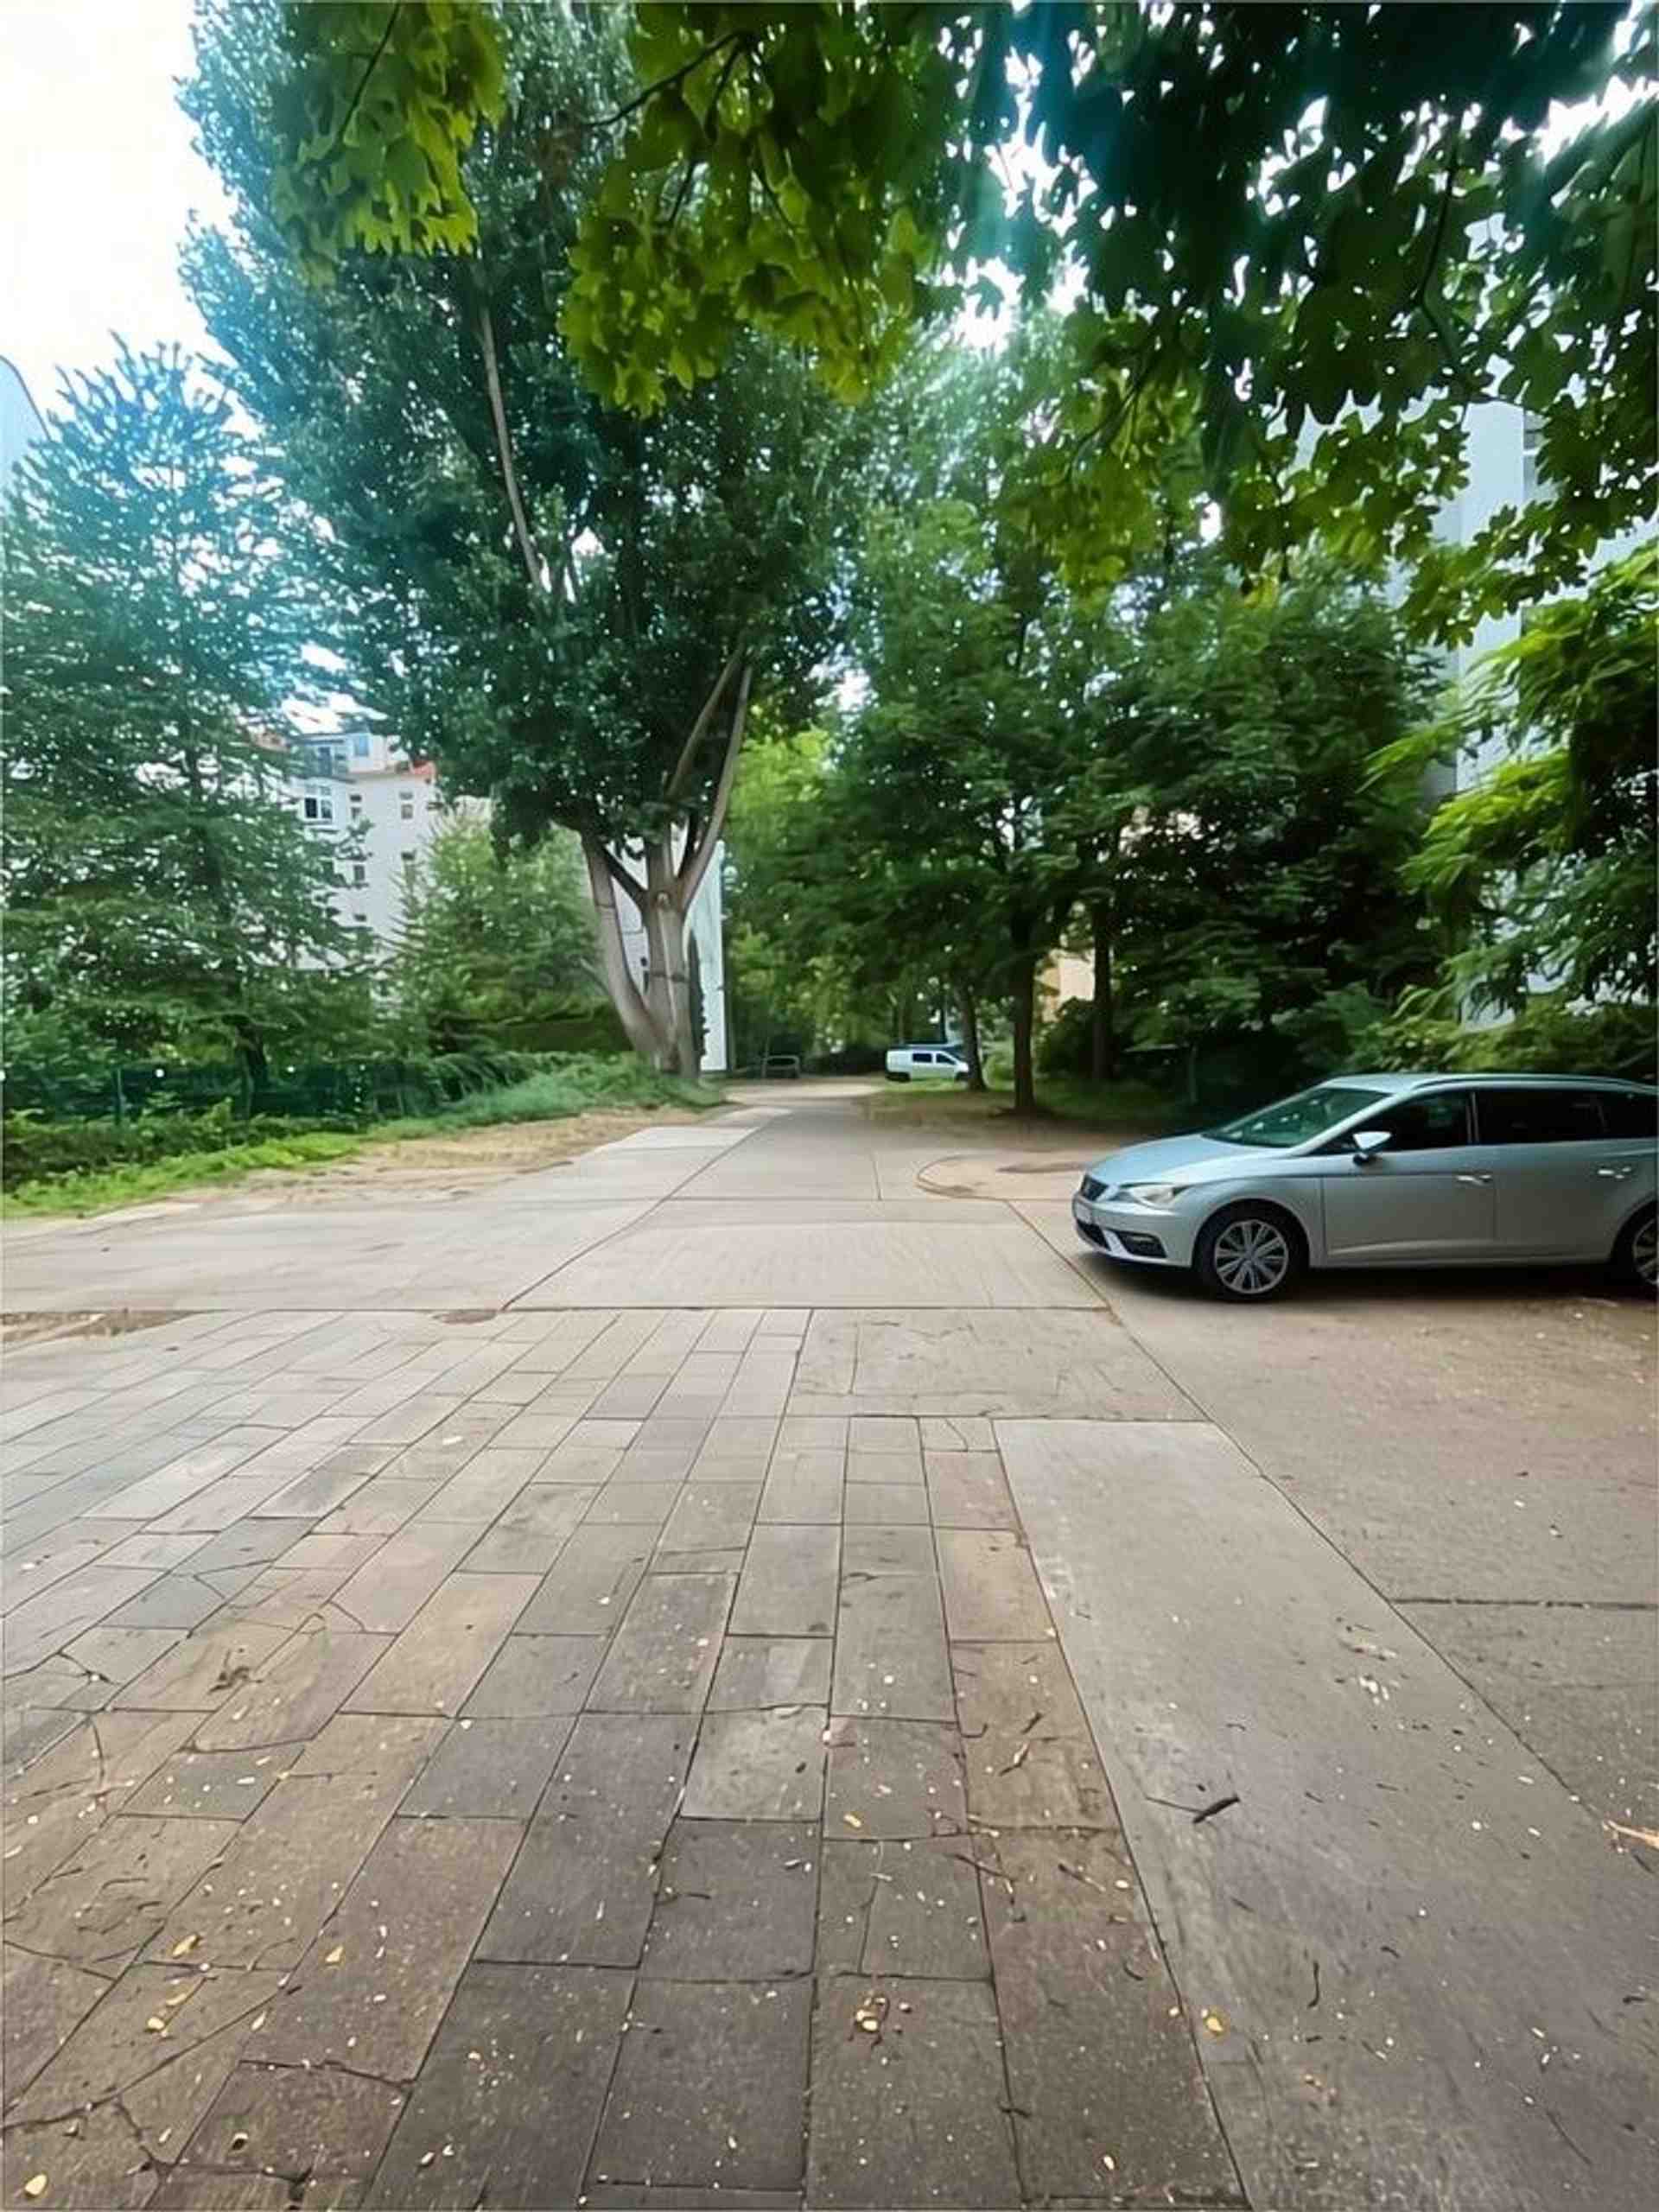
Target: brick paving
[[610, 1757]]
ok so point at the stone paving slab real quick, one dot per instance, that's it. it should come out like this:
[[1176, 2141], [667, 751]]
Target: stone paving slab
[[508, 2102], [922, 2099], [736, 1901], [583, 1887], [710, 2087], [490, 1770], [725, 1716]]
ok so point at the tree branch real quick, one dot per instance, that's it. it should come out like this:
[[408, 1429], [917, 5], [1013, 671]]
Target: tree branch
[[535, 567], [696, 864], [662, 84], [629, 882], [363, 81], [678, 781]]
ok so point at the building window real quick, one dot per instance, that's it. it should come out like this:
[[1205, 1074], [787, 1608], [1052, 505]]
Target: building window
[[360, 873], [360, 917], [359, 745], [406, 805], [357, 802], [318, 807]]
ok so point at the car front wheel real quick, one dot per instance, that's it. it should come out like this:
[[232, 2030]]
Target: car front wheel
[[1248, 1252], [1636, 1257]]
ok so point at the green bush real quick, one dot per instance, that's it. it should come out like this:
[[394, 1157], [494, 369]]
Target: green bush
[[33, 1148], [1064, 1047], [1546, 1039], [456, 1090], [577, 1085]]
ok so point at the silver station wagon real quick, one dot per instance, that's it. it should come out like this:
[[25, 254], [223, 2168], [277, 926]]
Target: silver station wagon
[[1375, 1171]]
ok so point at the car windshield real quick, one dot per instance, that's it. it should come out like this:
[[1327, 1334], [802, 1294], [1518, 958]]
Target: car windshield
[[1295, 1121]]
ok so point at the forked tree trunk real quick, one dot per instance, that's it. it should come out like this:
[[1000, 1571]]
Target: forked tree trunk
[[657, 1018]]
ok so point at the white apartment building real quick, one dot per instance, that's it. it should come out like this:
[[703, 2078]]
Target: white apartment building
[[355, 788]]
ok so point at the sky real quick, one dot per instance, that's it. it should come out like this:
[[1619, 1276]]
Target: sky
[[97, 180]]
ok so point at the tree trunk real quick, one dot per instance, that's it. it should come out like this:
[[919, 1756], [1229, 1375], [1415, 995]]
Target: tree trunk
[[1103, 1024], [968, 999], [666, 934], [639, 1021], [1022, 995]]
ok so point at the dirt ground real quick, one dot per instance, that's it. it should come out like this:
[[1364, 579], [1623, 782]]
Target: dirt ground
[[464, 1160]]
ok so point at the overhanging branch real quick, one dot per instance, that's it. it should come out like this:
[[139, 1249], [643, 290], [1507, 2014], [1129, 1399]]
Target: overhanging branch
[[681, 777], [696, 864], [534, 567]]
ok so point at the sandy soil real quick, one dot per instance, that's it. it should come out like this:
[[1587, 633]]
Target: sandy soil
[[466, 1160]]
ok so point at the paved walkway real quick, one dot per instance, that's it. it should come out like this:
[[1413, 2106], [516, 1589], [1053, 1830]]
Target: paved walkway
[[611, 1711]]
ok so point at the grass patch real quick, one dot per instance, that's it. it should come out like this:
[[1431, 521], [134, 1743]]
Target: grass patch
[[588, 1082], [92, 1190], [1134, 1108]]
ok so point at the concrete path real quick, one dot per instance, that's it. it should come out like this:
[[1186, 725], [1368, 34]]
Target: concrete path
[[692, 1679]]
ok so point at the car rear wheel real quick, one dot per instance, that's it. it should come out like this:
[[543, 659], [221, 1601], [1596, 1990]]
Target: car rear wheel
[[1248, 1252], [1635, 1256]]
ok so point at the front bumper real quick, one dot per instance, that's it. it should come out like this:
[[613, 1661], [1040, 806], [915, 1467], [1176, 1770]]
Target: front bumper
[[1151, 1236]]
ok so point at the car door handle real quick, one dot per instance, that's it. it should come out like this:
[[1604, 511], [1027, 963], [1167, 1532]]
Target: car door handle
[[1615, 1174], [1476, 1179]]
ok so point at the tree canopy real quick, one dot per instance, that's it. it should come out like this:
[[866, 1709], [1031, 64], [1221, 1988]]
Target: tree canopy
[[569, 607], [1543, 871], [1327, 229], [161, 895]]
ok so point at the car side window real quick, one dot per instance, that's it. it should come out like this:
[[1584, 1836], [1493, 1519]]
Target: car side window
[[1630, 1113], [923, 1060], [1429, 1123], [1540, 1116]]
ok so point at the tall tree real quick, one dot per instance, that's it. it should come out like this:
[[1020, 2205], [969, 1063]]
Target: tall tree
[[1543, 870], [569, 607], [1295, 213], [162, 894], [1263, 866]]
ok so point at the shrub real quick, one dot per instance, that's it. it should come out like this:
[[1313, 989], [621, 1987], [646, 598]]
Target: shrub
[[35, 1148]]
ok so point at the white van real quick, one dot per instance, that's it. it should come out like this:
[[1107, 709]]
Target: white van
[[940, 1062]]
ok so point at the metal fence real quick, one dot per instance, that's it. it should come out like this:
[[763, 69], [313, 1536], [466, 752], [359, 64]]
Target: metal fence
[[319, 1090]]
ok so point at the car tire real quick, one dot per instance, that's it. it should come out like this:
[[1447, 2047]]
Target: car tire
[[1249, 1252], [1635, 1255]]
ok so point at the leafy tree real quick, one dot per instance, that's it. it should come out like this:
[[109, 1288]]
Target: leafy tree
[[161, 897], [1291, 213], [1260, 894], [1543, 870], [954, 776], [497, 947], [569, 607]]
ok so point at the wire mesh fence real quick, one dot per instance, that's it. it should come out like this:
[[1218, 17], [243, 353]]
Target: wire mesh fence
[[314, 1090]]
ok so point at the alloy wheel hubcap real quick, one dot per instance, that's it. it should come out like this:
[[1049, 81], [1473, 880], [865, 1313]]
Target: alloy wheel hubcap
[[1252, 1257], [1645, 1250]]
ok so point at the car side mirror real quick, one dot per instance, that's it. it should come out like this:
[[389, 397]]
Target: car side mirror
[[1367, 1143]]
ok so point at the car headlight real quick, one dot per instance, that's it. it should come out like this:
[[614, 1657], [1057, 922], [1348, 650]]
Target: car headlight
[[1154, 1194]]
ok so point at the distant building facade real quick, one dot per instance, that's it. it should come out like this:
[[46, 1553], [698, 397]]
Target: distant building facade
[[356, 789]]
